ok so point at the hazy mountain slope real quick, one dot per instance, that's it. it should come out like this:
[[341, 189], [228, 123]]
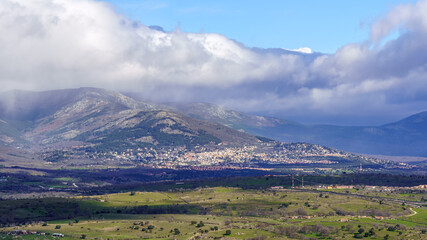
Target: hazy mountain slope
[[223, 115], [31, 105], [8, 133], [405, 137]]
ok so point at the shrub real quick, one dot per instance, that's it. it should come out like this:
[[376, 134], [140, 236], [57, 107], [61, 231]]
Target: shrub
[[301, 212], [58, 227]]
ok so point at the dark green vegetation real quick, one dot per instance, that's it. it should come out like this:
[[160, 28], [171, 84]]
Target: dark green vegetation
[[219, 212], [80, 181]]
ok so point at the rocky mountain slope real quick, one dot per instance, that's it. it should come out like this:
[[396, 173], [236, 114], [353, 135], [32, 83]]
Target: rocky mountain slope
[[92, 116]]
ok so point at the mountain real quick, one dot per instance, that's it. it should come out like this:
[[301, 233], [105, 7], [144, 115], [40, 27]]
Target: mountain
[[103, 118], [223, 115], [407, 137], [8, 133], [31, 105], [90, 127]]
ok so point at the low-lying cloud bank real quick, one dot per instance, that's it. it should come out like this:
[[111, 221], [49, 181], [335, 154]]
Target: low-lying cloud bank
[[50, 44]]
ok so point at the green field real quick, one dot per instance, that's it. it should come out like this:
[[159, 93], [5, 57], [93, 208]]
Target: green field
[[217, 213]]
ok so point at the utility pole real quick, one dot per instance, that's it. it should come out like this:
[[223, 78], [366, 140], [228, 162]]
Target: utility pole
[[292, 181], [360, 167], [302, 182]]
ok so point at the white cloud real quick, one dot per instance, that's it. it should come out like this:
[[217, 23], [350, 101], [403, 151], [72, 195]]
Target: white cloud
[[71, 43], [404, 18], [49, 44]]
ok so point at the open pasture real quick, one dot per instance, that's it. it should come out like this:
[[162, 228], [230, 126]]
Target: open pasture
[[216, 213]]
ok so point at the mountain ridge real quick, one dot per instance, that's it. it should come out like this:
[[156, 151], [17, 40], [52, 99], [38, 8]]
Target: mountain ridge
[[405, 137], [89, 127]]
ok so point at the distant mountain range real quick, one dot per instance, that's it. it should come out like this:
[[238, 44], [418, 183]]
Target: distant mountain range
[[407, 137], [88, 126]]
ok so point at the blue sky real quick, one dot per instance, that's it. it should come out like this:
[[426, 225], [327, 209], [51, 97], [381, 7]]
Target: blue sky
[[324, 26]]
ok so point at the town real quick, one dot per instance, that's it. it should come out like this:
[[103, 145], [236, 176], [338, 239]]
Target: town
[[263, 156]]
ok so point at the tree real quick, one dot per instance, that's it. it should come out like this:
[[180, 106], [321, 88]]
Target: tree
[[358, 235], [371, 232], [301, 212], [391, 228], [227, 232], [200, 224]]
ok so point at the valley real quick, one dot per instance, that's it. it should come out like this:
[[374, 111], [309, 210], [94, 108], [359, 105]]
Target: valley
[[90, 163], [218, 213]]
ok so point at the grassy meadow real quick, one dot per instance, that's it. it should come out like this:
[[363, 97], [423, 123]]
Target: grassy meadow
[[218, 213]]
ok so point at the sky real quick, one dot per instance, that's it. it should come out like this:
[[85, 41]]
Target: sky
[[323, 26], [369, 64]]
